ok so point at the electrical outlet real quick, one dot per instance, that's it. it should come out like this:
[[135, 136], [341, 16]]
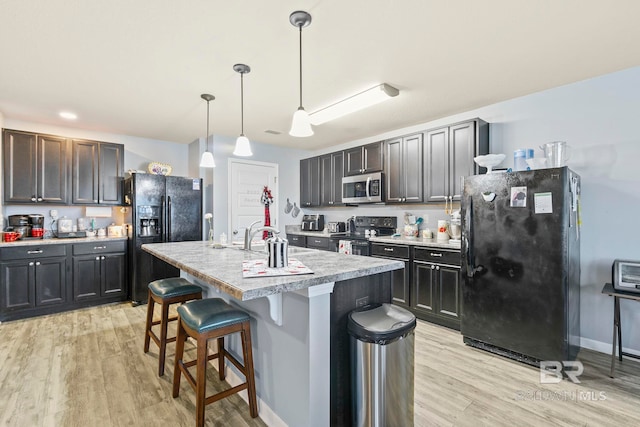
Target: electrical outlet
[[362, 301], [53, 213]]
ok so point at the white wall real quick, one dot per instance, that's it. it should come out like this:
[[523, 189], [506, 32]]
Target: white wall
[[288, 179], [598, 119]]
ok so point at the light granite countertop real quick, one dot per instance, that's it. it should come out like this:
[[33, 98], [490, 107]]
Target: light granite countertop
[[222, 268], [432, 243], [55, 241]]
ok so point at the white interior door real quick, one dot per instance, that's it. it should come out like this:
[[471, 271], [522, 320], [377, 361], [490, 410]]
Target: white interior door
[[247, 180]]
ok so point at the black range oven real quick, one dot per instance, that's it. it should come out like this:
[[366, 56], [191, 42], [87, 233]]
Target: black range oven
[[361, 228]]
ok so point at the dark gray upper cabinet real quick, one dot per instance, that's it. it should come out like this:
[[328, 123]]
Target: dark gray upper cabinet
[[365, 158], [404, 169], [310, 182], [448, 156], [97, 171], [35, 168], [331, 173]]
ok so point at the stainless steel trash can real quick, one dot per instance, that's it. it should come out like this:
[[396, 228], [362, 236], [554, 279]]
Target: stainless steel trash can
[[382, 358]]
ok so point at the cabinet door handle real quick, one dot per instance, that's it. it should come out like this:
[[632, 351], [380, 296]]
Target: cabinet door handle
[[433, 267], [388, 249], [435, 255], [33, 199], [39, 199], [31, 263], [38, 251], [99, 247], [97, 258], [38, 263], [102, 258], [437, 267]]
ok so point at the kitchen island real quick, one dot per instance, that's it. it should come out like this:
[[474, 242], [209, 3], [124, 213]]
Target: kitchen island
[[301, 347]]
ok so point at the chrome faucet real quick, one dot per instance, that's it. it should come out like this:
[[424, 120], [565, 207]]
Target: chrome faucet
[[247, 235], [257, 230]]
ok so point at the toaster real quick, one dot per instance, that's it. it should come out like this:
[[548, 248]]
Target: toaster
[[626, 275], [336, 227]]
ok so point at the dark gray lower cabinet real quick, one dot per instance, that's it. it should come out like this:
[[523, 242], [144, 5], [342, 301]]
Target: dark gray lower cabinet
[[50, 278], [33, 279], [436, 292], [99, 270], [401, 279]]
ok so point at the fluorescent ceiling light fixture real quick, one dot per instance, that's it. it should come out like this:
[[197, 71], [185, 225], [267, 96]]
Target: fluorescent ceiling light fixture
[[354, 103], [68, 115]]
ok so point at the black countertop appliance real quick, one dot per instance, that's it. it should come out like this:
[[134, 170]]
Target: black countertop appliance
[[521, 264], [312, 222], [163, 209]]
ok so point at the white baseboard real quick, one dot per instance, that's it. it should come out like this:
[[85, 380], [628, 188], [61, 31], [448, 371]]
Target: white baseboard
[[602, 347]]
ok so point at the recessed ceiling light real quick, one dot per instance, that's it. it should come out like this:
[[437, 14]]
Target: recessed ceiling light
[[68, 115]]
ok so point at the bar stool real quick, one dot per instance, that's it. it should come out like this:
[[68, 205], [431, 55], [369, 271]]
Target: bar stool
[[204, 320], [166, 292]]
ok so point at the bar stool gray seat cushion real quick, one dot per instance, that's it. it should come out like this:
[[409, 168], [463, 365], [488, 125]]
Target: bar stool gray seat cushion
[[173, 287], [210, 313]]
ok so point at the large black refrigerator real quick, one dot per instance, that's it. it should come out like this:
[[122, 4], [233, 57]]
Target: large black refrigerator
[[163, 209], [521, 264]]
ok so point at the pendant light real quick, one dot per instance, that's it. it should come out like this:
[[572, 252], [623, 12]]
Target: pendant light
[[206, 161], [301, 125], [243, 147]]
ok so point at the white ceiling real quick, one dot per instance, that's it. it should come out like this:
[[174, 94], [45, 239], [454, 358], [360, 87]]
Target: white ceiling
[[138, 67]]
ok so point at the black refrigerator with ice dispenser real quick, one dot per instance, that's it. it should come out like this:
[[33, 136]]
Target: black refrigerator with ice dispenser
[[163, 209], [521, 264]]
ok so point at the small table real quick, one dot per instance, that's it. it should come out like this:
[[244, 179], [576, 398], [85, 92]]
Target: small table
[[617, 329]]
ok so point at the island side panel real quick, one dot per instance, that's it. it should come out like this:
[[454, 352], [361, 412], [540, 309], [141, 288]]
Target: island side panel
[[377, 289], [292, 381]]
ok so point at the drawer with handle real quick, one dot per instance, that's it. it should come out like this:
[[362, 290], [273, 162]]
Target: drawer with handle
[[318, 243], [438, 256], [99, 247], [390, 251], [297, 240], [29, 252]]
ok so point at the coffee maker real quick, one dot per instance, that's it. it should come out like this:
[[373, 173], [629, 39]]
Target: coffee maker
[[36, 222]]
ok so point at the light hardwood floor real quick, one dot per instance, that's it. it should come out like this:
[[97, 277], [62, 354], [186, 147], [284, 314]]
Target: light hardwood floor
[[87, 368]]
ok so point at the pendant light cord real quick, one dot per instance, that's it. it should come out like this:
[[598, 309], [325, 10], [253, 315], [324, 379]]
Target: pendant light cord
[[242, 104], [300, 27], [207, 136]]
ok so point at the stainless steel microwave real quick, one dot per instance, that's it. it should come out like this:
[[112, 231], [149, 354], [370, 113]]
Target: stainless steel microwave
[[366, 188]]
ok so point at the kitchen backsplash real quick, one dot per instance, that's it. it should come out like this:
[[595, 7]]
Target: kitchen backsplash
[[430, 214], [72, 212]]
